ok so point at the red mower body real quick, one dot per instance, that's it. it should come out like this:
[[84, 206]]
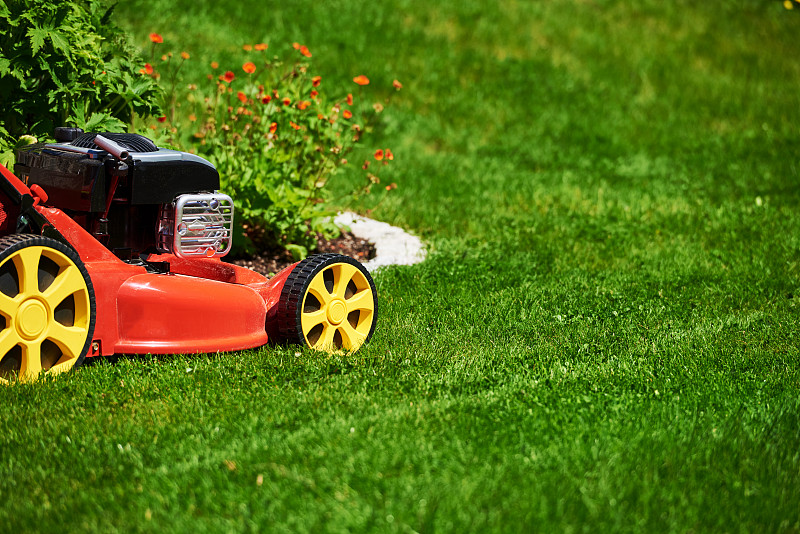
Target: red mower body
[[97, 252]]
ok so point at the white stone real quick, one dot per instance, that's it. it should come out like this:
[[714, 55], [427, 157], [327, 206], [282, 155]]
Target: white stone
[[393, 246]]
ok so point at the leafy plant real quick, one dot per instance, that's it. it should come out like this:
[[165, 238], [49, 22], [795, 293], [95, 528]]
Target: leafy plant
[[65, 62], [277, 136]]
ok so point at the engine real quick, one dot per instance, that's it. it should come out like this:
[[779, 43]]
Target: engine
[[135, 198]]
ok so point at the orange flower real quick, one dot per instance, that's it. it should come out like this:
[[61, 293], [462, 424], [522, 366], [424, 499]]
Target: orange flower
[[316, 80], [379, 154], [192, 117], [214, 65], [156, 38], [397, 85], [296, 46], [389, 155], [303, 104], [286, 101], [148, 69], [260, 46], [293, 125], [249, 67], [162, 118], [361, 80], [314, 94], [266, 99], [228, 77], [247, 48], [320, 116], [349, 100], [185, 55], [241, 96], [305, 51], [273, 127], [347, 114]]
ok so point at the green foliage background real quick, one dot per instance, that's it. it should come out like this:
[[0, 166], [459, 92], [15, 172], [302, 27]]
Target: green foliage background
[[603, 339], [66, 62]]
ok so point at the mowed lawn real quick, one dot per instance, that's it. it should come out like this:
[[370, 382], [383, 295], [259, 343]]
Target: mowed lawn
[[604, 337]]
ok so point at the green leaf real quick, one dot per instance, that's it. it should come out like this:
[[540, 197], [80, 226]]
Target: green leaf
[[37, 36], [7, 158], [103, 122], [298, 252], [59, 41]]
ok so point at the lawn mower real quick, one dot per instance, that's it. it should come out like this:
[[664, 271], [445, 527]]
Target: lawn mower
[[111, 245]]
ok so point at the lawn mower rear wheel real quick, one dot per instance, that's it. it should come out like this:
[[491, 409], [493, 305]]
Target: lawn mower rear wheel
[[47, 308]]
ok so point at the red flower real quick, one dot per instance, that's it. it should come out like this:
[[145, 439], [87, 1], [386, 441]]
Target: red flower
[[162, 118], [303, 104], [148, 69], [397, 85], [228, 77], [156, 38], [347, 114], [314, 94], [361, 80], [273, 127], [316, 80], [349, 100], [293, 125], [379, 154], [266, 99], [260, 46], [286, 101], [389, 155], [249, 67], [241, 96], [305, 51]]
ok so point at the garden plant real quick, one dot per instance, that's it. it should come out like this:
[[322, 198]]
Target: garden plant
[[276, 133], [603, 338], [66, 63]]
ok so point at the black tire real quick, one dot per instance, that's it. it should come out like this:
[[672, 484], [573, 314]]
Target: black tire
[[329, 303], [47, 323]]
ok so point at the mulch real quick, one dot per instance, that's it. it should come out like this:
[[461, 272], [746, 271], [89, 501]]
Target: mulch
[[269, 262]]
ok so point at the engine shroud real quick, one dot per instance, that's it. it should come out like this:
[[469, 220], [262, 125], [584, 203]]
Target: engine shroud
[[79, 181], [85, 182]]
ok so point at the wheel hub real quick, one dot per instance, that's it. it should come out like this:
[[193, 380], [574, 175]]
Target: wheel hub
[[31, 319], [337, 311]]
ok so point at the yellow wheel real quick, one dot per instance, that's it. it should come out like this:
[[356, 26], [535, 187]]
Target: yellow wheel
[[47, 308], [329, 303]]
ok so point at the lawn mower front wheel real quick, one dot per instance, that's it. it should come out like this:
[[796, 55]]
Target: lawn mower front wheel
[[47, 308], [328, 303]]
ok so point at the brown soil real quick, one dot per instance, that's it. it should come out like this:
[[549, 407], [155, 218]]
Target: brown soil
[[271, 261]]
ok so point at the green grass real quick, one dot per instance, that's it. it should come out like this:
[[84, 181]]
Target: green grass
[[605, 334]]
